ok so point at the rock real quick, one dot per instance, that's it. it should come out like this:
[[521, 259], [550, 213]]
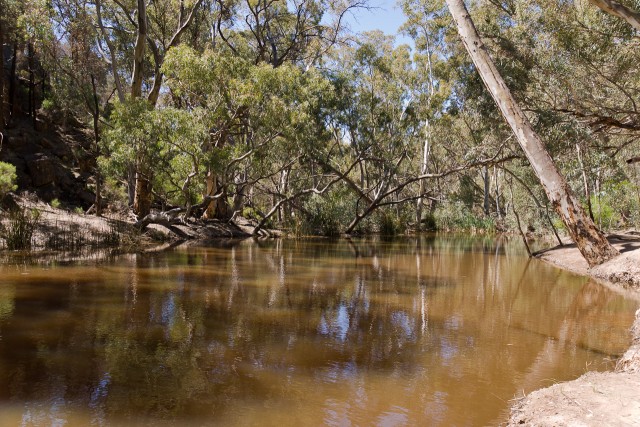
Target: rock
[[41, 169]]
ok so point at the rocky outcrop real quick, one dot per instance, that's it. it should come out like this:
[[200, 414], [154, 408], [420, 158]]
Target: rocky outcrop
[[53, 162]]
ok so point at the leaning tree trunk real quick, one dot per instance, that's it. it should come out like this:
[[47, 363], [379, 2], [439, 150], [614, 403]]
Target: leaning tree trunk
[[592, 244]]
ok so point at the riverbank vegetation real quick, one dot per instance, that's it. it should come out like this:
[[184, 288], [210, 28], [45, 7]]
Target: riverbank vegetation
[[194, 110]]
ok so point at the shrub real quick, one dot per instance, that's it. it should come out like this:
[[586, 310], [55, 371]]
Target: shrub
[[617, 205], [7, 178], [456, 217], [329, 213]]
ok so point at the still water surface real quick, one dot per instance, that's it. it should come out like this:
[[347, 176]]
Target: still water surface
[[423, 331]]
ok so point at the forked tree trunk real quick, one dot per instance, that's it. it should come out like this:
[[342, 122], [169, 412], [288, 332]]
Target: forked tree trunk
[[218, 208], [112, 53], [592, 244]]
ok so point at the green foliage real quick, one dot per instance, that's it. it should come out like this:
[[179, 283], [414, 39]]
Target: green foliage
[[48, 104], [456, 217], [8, 178], [429, 222], [617, 205], [328, 213], [164, 144], [55, 203]]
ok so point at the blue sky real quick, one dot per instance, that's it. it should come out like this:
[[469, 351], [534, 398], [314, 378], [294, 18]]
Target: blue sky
[[385, 16]]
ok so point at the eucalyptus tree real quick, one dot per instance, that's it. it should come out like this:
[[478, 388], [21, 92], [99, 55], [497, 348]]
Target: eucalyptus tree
[[426, 24], [590, 241], [261, 120]]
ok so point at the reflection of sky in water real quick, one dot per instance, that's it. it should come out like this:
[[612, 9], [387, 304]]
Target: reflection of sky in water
[[352, 341], [401, 320], [396, 416], [338, 327], [342, 323], [168, 309], [448, 350], [339, 371]]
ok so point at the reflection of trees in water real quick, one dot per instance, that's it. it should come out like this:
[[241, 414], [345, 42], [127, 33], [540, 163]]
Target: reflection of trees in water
[[195, 331]]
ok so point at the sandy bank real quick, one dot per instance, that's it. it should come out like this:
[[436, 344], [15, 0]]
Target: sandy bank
[[596, 398]]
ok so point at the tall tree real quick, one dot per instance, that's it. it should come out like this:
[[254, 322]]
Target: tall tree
[[592, 244], [138, 54]]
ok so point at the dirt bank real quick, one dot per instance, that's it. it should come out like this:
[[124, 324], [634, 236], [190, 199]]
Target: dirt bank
[[596, 398]]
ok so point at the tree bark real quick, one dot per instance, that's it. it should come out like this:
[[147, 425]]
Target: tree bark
[[592, 244], [142, 198], [621, 11], [138, 53], [218, 207], [142, 195], [424, 165]]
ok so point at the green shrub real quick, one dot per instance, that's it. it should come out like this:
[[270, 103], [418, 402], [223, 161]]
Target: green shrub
[[429, 222], [55, 203], [393, 221], [328, 213], [617, 205], [7, 178], [456, 217], [386, 225]]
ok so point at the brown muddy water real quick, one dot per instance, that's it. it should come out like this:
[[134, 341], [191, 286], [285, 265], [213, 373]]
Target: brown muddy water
[[422, 331]]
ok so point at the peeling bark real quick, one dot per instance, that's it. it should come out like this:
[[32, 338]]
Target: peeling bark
[[142, 198], [592, 244]]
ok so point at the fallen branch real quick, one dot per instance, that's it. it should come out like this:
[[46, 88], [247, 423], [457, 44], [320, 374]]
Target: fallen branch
[[168, 219]]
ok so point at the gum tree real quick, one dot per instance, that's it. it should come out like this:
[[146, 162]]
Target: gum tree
[[592, 244]]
